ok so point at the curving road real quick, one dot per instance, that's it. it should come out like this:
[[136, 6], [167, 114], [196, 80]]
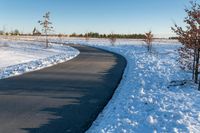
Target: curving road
[[64, 98]]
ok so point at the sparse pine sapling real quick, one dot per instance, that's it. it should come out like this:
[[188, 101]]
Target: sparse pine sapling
[[46, 26]]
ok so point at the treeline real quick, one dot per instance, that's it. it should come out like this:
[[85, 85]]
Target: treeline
[[86, 35], [15, 32], [97, 35]]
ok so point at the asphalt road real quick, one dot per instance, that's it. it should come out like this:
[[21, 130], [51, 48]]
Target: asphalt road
[[60, 99]]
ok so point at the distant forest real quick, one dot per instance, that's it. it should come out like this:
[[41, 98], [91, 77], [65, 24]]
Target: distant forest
[[86, 35], [89, 35], [97, 35]]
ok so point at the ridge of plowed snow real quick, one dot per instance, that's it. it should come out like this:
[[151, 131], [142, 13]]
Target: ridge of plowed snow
[[18, 57]]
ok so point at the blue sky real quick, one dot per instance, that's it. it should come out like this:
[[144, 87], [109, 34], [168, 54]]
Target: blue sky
[[104, 16]]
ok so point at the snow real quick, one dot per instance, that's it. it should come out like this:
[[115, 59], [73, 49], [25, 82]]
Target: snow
[[92, 41], [18, 57], [155, 95], [146, 100], [151, 96]]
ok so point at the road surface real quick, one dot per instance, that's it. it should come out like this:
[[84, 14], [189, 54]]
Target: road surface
[[60, 99]]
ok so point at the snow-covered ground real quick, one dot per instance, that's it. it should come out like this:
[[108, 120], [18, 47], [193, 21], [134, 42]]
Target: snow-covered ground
[[151, 96], [148, 99], [18, 57]]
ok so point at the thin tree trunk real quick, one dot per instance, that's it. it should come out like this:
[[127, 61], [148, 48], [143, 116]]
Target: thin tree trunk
[[197, 67], [198, 59], [194, 64], [199, 86], [46, 40]]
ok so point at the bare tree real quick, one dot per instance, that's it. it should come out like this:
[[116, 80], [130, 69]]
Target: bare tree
[[46, 26], [112, 39], [148, 40], [190, 38], [60, 37], [87, 37]]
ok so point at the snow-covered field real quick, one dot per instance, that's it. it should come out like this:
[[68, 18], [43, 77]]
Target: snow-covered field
[[18, 57], [151, 96], [148, 99]]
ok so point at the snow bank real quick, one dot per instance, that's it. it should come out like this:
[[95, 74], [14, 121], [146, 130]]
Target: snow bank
[[146, 100], [18, 57]]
